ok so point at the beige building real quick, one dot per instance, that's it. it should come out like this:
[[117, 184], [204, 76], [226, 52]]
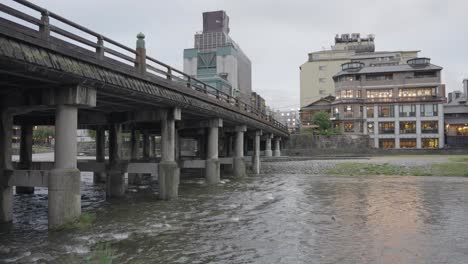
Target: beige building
[[316, 74]]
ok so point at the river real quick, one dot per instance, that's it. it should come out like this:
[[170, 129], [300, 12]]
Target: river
[[274, 218]]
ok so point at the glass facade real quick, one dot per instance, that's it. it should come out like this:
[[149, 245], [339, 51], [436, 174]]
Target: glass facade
[[429, 110], [408, 127], [370, 111], [380, 93], [429, 127], [370, 128], [386, 111], [386, 143], [407, 143], [386, 127], [416, 92], [407, 110], [348, 127], [429, 142]]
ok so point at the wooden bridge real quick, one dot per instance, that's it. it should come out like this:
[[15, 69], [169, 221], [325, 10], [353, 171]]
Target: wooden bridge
[[56, 72]]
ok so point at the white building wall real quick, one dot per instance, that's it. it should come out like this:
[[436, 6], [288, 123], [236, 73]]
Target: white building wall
[[190, 66], [228, 64]]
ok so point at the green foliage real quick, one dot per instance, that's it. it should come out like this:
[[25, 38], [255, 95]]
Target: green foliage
[[92, 133], [43, 134], [325, 126]]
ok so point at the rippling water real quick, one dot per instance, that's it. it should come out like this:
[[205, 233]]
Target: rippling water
[[260, 219]]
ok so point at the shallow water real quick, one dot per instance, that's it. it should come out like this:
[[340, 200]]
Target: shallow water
[[259, 219]]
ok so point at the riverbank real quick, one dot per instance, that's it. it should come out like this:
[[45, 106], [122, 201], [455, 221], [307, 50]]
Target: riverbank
[[402, 165]]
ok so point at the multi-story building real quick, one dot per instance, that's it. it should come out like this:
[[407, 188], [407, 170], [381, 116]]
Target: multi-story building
[[316, 74], [398, 106], [456, 118], [217, 60], [289, 118]]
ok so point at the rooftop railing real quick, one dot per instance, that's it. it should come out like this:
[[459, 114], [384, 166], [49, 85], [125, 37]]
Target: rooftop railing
[[144, 64]]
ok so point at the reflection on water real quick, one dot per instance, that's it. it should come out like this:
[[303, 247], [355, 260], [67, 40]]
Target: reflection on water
[[260, 219]]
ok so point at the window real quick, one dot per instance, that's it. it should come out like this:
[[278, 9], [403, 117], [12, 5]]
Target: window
[[348, 127], [408, 127], [386, 111], [429, 142], [348, 111], [429, 110], [407, 110], [386, 127], [429, 127], [386, 143], [321, 80], [321, 92], [322, 67], [407, 143], [381, 93], [370, 111], [346, 93], [379, 77], [336, 113], [416, 92], [425, 74], [359, 94], [370, 128]]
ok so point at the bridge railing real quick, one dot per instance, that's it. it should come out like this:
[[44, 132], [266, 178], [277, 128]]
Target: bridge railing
[[144, 64]]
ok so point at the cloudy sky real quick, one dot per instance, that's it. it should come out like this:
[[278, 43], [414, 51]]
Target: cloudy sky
[[277, 35]]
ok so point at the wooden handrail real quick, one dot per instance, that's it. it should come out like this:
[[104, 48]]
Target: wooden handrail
[[100, 47]]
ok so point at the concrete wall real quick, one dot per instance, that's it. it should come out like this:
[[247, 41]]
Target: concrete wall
[[309, 145]]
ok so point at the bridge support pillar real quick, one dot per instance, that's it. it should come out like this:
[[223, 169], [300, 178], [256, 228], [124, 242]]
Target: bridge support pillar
[[115, 174], [6, 168], [213, 166], [238, 163], [100, 177], [64, 180], [268, 151], [256, 153], [25, 161], [169, 172], [134, 178], [277, 147]]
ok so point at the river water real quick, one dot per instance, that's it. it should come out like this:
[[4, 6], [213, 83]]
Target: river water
[[287, 218]]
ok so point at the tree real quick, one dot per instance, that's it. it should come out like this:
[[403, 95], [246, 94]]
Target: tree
[[325, 126]]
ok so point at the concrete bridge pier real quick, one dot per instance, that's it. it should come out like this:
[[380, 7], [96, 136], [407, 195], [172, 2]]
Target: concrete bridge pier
[[64, 180], [238, 162], [256, 153], [100, 177], [213, 166], [25, 161], [169, 172], [115, 173], [6, 167], [268, 151], [277, 147], [134, 178]]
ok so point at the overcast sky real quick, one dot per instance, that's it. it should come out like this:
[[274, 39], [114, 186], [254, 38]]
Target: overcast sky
[[278, 35]]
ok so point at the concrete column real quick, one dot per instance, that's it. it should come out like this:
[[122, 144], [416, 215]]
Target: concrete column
[[115, 174], [152, 141], [146, 145], [256, 153], [238, 162], [134, 178], [268, 151], [440, 116], [6, 167], [213, 165], [64, 179], [169, 172], [100, 153], [277, 147], [25, 162]]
